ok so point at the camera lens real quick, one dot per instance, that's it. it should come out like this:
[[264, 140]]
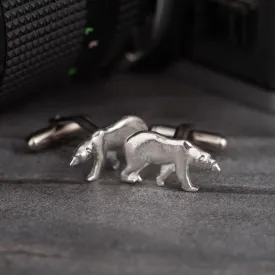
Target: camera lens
[[45, 40]]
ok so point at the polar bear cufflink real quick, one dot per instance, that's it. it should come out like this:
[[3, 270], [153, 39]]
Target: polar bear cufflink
[[144, 148], [105, 143], [141, 148]]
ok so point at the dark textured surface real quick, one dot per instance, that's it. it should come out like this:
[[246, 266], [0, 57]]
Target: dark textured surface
[[42, 38], [53, 222]]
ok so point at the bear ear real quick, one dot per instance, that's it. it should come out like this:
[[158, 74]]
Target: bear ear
[[187, 145]]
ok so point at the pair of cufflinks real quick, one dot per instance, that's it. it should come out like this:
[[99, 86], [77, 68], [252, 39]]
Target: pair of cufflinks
[[173, 148]]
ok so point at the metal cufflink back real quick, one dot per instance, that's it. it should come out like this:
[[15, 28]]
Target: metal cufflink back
[[63, 127], [59, 128], [208, 141]]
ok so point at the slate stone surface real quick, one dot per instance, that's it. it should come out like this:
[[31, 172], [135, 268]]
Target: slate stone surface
[[53, 222]]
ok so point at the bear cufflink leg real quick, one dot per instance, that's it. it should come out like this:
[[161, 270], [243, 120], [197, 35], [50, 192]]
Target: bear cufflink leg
[[112, 158], [131, 173], [167, 170], [93, 176], [183, 176], [132, 178]]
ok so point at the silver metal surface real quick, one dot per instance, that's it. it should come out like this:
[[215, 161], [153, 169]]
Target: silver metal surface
[[47, 137], [60, 128], [144, 148], [164, 130], [105, 143], [209, 141]]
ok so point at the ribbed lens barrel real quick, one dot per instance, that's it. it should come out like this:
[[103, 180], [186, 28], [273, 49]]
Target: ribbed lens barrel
[[44, 40], [2, 43]]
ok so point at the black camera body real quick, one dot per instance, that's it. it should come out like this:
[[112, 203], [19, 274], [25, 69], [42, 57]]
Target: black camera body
[[2, 42], [235, 41], [226, 46], [236, 37], [43, 41], [223, 46]]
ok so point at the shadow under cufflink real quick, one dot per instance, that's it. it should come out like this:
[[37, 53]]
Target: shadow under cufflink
[[238, 190]]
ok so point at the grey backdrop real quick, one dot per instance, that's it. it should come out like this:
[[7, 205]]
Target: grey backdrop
[[53, 222]]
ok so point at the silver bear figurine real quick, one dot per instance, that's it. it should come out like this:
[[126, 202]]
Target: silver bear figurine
[[144, 148], [105, 143]]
